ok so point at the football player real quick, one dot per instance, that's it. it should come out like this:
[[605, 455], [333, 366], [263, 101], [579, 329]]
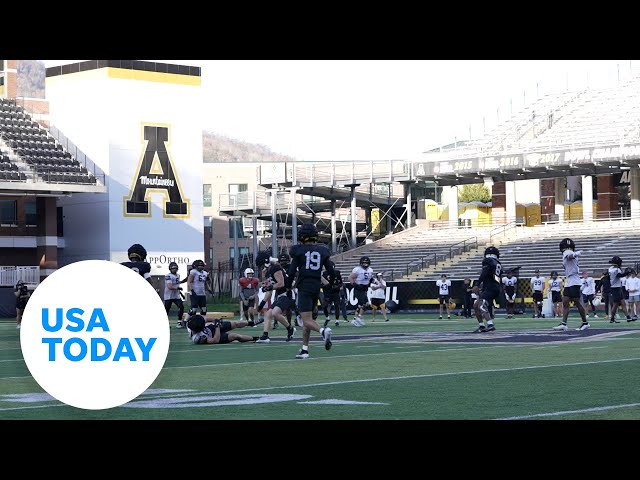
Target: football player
[[202, 332], [488, 289], [173, 293], [588, 291], [555, 287], [22, 298], [360, 279], [276, 279], [198, 282], [284, 260], [510, 284], [248, 292], [633, 287], [137, 261], [444, 287], [616, 295], [571, 292], [264, 297], [332, 294], [378, 297], [307, 260], [537, 286]]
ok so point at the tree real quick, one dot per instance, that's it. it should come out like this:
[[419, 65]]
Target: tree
[[476, 192]]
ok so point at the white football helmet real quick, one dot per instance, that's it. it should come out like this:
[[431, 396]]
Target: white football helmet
[[249, 271]]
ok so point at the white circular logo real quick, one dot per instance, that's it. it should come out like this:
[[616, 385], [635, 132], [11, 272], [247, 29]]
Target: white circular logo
[[95, 334]]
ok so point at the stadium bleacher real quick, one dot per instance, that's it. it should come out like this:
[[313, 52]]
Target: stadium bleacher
[[537, 247], [402, 253], [30, 153]]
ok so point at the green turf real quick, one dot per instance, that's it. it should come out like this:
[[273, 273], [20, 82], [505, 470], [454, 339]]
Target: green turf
[[392, 377]]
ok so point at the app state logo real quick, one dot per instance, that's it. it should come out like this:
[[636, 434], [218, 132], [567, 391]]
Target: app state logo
[[156, 174]]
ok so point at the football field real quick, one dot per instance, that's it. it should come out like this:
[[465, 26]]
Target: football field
[[412, 367]]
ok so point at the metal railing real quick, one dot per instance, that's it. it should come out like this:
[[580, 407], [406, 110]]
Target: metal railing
[[467, 245], [77, 153], [502, 229], [9, 275]]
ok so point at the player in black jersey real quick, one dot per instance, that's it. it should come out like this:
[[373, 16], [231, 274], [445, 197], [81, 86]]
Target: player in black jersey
[[281, 300], [284, 260], [488, 288], [137, 261], [332, 291], [307, 260]]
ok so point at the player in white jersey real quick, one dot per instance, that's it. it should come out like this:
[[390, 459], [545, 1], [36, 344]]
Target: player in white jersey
[[571, 264], [444, 292], [360, 279], [172, 292], [633, 287], [537, 287], [588, 290], [378, 297], [509, 285], [555, 289], [616, 295], [198, 282]]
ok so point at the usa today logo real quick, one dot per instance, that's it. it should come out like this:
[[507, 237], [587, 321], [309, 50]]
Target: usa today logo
[[95, 334]]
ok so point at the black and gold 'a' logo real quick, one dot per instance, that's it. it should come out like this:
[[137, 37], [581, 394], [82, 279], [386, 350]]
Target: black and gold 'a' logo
[[156, 174]]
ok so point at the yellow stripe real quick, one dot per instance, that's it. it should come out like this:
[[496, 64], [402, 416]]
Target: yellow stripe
[[424, 301], [127, 74]]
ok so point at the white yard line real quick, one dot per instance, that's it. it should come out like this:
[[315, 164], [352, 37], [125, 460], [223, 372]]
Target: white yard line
[[571, 412]]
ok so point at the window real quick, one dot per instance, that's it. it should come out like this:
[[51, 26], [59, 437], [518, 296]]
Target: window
[[206, 195], [243, 251], [30, 216], [208, 227], [239, 194], [237, 224], [8, 214], [381, 189]]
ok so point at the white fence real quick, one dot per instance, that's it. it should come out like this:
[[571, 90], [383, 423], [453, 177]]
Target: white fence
[[9, 276]]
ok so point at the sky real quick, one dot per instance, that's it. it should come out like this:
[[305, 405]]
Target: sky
[[333, 110]]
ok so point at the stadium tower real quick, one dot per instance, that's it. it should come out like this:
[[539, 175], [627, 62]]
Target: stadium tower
[[139, 122]]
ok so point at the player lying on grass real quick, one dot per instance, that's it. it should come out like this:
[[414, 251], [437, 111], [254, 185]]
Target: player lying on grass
[[217, 331]]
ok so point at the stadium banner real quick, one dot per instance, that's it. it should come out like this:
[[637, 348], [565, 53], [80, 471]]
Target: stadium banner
[[414, 295], [520, 161], [622, 179], [423, 295]]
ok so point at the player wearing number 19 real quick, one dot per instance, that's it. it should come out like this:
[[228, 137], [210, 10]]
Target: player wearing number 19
[[307, 260], [488, 288]]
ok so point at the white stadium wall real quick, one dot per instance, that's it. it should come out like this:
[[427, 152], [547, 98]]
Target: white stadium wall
[[141, 125]]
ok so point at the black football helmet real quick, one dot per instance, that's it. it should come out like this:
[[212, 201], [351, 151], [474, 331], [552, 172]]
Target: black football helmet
[[173, 265], [554, 274], [566, 243], [308, 233], [137, 251], [196, 323], [365, 262], [284, 258], [616, 260], [492, 251], [198, 264]]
